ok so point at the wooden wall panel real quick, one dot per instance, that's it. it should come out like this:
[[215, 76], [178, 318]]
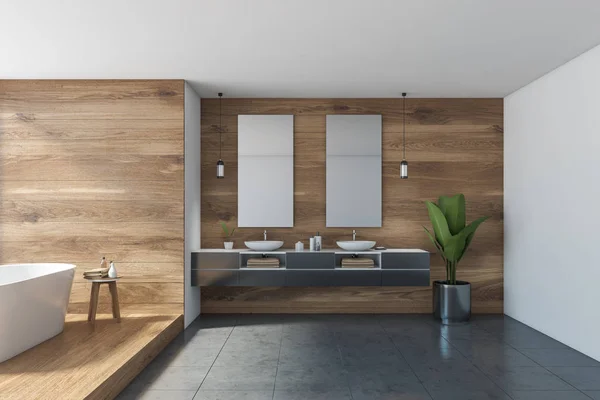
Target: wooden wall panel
[[93, 168], [154, 249], [85, 100], [150, 129], [453, 145], [90, 211]]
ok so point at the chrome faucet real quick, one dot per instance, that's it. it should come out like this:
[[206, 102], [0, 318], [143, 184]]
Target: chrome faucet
[[353, 234], [265, 235]]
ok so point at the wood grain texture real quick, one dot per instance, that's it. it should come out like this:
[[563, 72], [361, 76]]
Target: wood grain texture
[[81, 168], [141, 309], [30, 100], [88, 363], [91, 129], [162, 190], [105, 147], [453, 146], [133, 292], [89, 211], [75, 250], [94, 168]]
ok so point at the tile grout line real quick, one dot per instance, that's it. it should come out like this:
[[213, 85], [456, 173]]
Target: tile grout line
[[215, 360], [405, 360], [446, 336], [278, 358], [347, 377], [476, 367], [519, 351], [526, 356], [553, 374]]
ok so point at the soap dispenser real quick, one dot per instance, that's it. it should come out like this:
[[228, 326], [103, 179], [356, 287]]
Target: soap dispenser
[[318, 242]]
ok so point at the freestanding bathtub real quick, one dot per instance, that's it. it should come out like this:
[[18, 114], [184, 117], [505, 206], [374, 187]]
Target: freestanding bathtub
[[33, 304]]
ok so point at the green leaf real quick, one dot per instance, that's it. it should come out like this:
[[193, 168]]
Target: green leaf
[[455, 247], [454, 211], [225, 229], [469, 232], [440, 226], [443, 203], [437, 245]]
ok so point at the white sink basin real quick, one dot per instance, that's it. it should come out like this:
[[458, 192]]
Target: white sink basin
[[264, 245], [356, 245]]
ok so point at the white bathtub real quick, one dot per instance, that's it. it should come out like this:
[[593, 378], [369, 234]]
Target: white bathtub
[[33, 304]]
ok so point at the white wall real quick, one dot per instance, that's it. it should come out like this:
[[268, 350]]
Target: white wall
[[192, 200], [551, 204], [501, 45]]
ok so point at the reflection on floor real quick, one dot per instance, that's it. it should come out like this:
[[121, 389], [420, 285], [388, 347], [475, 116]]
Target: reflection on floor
[[84, 362], [334, 357]]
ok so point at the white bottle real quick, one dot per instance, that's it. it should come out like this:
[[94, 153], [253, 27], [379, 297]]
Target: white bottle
[[299, 246], [112, 271]]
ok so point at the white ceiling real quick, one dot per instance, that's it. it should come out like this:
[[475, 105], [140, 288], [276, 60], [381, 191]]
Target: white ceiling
[[300, 48]]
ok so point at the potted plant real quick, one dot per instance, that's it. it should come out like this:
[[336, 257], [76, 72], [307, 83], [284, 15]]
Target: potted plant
[[228, 235], [451, 298]]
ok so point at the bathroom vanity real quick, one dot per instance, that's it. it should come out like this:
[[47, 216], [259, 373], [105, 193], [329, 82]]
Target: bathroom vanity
[[392, 267]]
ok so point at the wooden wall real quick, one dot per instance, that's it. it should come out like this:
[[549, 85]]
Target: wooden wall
[[92, 168], [453, 145]]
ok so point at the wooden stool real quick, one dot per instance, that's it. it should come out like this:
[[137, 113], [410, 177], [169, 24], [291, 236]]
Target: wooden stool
[[112, 286]]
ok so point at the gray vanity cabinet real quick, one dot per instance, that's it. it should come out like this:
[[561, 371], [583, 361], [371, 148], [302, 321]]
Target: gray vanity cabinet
[[216, 260], [310, 269], [419, 277], [260, 277], [348, 277], [229, 268], [315, 260], [307, 277], [405, 261], [215, 277], [405, 269], [215, 269]]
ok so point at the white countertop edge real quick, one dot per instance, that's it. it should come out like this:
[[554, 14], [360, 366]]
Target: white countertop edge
[[281, 251]]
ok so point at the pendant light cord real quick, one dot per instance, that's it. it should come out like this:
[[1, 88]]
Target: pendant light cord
[[404, 126], [220, 123]]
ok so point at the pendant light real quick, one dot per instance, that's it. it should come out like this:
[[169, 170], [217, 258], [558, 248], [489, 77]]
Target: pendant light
[[220, 163], [404, 163]]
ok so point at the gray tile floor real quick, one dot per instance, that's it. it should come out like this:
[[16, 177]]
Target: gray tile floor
[[364, 357]]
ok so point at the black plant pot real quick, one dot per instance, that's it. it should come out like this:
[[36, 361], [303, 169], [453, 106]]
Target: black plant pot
[[452, 303]]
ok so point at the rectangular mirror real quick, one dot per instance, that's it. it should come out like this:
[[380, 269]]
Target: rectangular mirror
[[353, 171], [265, 171]]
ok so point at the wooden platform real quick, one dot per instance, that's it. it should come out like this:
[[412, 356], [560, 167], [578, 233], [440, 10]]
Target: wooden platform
[[88, 363]]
